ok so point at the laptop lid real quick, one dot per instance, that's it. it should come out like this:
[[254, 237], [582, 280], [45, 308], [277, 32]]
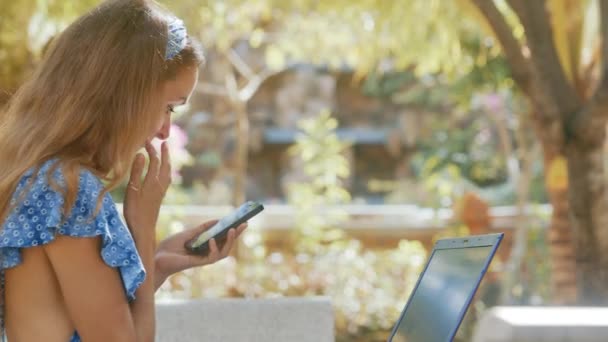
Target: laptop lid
[[445, 289]]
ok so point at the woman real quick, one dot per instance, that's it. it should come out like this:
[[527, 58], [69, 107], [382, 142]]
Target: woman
[[107, 86]]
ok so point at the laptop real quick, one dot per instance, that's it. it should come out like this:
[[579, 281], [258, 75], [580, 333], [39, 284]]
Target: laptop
[[445, 289]]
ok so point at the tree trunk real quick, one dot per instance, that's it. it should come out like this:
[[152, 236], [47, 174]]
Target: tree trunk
[[589, 217], [560, 237], [242, 148], [522, 177], [572, 131]]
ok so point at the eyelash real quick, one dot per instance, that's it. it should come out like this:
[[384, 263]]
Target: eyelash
[[170, 109]]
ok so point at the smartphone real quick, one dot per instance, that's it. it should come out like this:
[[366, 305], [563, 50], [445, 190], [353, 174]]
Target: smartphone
[[219, 231]]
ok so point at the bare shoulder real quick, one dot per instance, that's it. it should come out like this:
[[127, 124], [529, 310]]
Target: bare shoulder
[[65, 286], [35, 310]]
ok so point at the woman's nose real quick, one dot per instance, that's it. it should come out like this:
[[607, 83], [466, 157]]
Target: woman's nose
[[164, 131]]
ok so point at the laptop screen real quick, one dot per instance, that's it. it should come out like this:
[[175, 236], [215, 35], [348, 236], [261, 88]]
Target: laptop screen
[[434, 310]]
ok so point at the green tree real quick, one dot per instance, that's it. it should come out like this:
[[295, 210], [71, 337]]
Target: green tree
[[223, 26], [569, 109], [325, 168], [25, 29], [543, 44]]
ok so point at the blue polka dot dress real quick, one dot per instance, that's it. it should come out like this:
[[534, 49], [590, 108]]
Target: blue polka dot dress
[[36, 219]]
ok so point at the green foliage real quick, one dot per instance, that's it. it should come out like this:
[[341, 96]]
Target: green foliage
[[25, 29], [490, 73], [368, 288], [458, 159], [425, 36], [470, 149], [372, 35], [533, 285], [325, 167], [386, 84], [14, 54], [219, 24]]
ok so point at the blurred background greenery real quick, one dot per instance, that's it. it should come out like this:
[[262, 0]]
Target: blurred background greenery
[[370, 129]]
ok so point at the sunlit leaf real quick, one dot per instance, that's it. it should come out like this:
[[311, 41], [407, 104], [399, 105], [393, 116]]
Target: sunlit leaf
[[557, 174], [256, 38], [275, 58]]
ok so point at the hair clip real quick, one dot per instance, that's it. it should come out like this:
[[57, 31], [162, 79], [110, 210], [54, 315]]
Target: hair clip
[[177, 37]]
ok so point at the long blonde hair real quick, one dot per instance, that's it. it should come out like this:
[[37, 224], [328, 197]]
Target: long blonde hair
[[92, 100]]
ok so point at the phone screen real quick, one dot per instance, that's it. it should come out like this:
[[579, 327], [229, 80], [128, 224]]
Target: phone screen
[[226, 221]]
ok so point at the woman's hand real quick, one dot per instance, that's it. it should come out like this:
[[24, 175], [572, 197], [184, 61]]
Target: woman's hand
[[172, 257], [144, 197]]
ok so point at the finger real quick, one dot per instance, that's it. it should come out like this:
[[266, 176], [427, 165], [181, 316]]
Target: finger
[[165, 164], [213, 250], [154, 160], [194, 232], [137, 170], [206, 225], [240, 229], [229, 243]]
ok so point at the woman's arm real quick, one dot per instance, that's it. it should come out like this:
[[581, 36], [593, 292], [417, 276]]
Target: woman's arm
[[94, 294], [142, 308], [141, 207]]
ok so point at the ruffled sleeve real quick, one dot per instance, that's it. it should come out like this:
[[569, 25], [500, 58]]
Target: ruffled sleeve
[[36, 220]]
